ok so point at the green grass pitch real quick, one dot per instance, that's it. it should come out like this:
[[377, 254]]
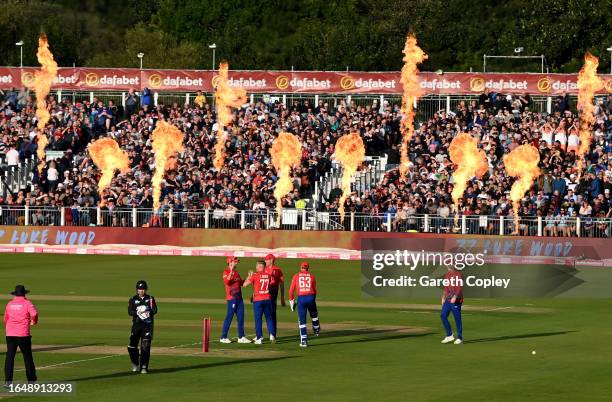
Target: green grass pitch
[[369, 349]]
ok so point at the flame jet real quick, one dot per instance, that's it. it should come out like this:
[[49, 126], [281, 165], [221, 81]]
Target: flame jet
[[286, 152], [167, 142], [470, 161], [350, 151], [413, 55], [521, 163]]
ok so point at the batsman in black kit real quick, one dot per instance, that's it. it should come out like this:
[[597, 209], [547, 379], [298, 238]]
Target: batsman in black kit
[[142, 308]]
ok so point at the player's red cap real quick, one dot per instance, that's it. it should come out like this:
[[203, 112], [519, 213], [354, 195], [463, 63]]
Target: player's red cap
[[269, 257], [232, 259], [304, 265]]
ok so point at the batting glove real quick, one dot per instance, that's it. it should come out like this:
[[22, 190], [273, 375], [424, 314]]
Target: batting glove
[[292, 305]]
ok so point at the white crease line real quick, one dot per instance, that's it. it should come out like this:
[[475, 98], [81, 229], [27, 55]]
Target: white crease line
[[71, 362], [500, 308], [185, 344]]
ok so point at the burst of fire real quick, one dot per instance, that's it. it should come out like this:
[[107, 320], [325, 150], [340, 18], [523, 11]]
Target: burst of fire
[[470, 160], [108, 157], [286, 152], [167, 142], [350, 151], [521, 163], [588, 84], [43, 79], [226, 98], [413, 55]]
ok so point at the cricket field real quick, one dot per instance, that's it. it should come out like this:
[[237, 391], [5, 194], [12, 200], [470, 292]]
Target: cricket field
[[369, 349]]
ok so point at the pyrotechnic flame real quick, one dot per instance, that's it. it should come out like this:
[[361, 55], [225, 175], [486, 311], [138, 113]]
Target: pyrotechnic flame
[[521, 163], [108, 157], [413, 55], [286, 152], [588, 84], [43, 79], [350, 151], [226, 98], [167, 141], [470, 160]]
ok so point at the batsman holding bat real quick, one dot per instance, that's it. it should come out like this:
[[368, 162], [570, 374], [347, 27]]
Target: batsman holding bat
[[142, 308]]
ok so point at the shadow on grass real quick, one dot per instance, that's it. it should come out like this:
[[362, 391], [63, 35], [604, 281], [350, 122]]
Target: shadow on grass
[[375, 333], [54, 348], [321, 341], [521, 336], [180, 368]]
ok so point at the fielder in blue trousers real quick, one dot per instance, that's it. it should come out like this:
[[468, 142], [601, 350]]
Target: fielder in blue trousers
[[452, 300], [235, 306], [262, 303], [305, 285]]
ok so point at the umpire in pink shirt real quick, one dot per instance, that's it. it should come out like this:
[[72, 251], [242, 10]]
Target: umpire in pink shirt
[[19, 315]]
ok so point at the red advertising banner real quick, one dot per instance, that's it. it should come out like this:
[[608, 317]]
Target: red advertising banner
[[301, 81]]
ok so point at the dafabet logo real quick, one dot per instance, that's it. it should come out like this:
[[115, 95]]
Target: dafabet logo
[[155, 80], [27, 79], [347, 82], [544, 84], [282, 82], [477, 84]]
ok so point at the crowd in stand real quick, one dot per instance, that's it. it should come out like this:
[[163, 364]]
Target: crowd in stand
[[500, 122]]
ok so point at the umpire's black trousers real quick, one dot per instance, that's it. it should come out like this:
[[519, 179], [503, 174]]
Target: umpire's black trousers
[[25, 345]]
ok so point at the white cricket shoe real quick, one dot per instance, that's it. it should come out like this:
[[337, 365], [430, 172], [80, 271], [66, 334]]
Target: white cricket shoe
[[244, 340], [303, 344], [258, 341], [448, 339], [225, 340], [272, 339], [135, 368], [144, 371], [458, 341], [254, 339]]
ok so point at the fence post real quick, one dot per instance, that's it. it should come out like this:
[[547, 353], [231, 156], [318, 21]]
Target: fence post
[[27, 216], [348, 102], [91, 96], [316, 102], [243, 219], [186, 98], [134, 218], [448, 108], [98, 216], [170, 217], [59, 96], [123, 99], [352, 221], [548, 104], [426, 223], [155, 98], [388, 222], [252, 98], [206, 219], [540, 231], [578, 231], [501, 225], [62, 216], [463, 224], [382, 100], [285, 99], [267, 218], [303, 219]]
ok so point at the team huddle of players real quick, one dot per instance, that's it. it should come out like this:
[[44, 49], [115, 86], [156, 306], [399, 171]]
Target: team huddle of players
[[268, 282]]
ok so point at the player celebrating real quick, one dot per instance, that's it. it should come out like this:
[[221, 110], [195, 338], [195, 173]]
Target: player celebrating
[[306, 286], [233, 295], [142, 308], [262, 305], [452, 299], [277, 283]]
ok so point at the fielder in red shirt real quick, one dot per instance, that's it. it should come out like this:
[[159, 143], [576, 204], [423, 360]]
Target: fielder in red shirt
[[277, 284], [233, 296], [262, 303], [305, 284], [452, 299]]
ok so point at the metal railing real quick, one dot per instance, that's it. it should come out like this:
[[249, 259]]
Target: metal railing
[[304, 219], [16, 177]]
